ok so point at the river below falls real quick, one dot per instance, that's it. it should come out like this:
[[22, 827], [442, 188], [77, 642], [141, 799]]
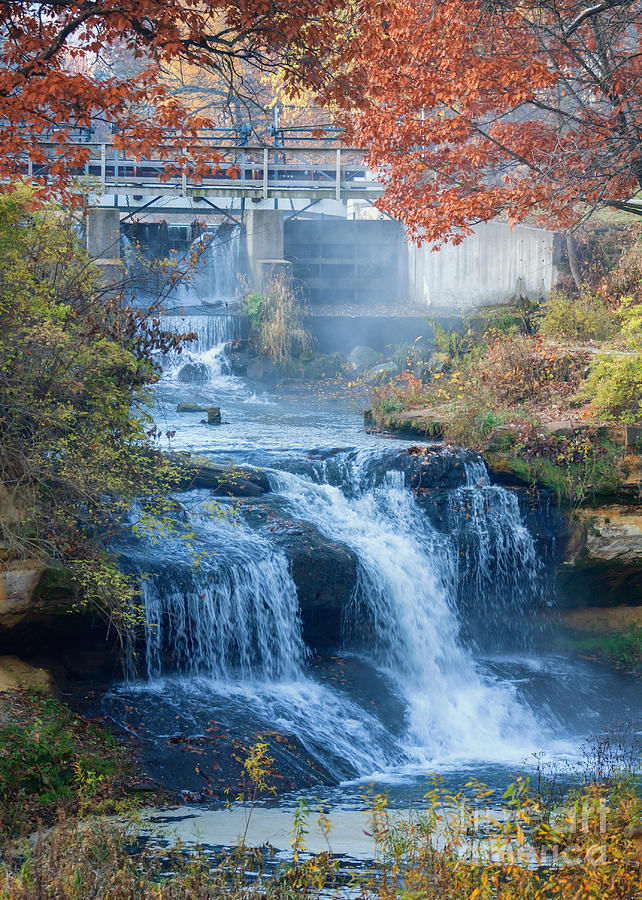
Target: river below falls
[[431, 673]]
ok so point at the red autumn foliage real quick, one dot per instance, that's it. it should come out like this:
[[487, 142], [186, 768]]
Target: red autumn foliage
[[55, 68], [494, 107]]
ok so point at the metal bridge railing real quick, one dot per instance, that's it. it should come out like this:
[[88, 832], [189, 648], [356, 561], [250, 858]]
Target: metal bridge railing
[[257, 170]]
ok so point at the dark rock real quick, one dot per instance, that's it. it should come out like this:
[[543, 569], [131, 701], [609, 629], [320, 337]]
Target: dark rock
[[501, 438], [190, 407], [362, 358], [237, 355], [225, 480], [386, 369], [237, 364], [214, 415], [194, 373], [325, 574], [261, 368], [319, 366]]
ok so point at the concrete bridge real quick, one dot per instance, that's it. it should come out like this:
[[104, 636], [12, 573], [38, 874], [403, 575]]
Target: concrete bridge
[[306, 211], [256, 173]]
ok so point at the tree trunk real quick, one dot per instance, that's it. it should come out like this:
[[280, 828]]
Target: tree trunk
[[571, 249]]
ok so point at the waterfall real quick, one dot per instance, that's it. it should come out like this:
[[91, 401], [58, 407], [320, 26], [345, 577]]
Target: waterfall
[[212, 330], [216, 273], [203, 358], [405, 608], [223, 614], [500, 576], [221, 605]]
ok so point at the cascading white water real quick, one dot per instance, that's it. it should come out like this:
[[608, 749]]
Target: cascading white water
[[222, 605], [233, 618], [205, 355], [216, 273], [498, 568], [212, 330], [406, 602]]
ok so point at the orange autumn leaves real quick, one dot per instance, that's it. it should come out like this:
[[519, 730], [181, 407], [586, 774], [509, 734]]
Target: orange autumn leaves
[[57, 68], [480, 109], [470, 110]]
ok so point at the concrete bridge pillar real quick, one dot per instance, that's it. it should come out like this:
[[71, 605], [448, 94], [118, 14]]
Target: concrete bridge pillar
[[103, 242], [264, 241]]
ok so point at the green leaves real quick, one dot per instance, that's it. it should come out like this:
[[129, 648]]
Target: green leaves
[[76, 366]]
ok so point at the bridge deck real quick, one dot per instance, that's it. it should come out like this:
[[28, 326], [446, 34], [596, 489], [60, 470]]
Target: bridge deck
[[305, 172]]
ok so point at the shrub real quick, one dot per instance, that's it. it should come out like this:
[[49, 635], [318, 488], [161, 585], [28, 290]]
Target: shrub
[[586, 317], [626, 278], [277, 322], [451, 342], [631, 312], [76, 363], [516, 369], [615, 385], [52, 760], [507, 319]]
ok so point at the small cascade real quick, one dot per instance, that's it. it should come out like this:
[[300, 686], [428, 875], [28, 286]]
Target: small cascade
[[229, 614], [212, 330], [216, 275], [201, 362], [500, 576]]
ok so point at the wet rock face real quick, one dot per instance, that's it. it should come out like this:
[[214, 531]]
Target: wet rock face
[[324, 571], [222, 480], [189, 407], [603, 557]]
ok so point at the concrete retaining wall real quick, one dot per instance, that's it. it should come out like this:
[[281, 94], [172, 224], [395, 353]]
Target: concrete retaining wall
[[491, 266], [351, 263]]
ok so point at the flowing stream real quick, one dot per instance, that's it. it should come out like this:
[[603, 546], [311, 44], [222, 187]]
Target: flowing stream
[[437, 666]]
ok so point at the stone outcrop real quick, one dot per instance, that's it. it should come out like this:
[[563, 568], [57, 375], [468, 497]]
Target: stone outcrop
[[362, 358], [189, 407], [324, 571], [603, 556], [613, 533], [18, 675], [19, 580], [194, 373], [223, 480]]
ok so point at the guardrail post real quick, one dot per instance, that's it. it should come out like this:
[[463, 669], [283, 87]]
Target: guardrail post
[[103, 166], [338, 179], [266, 160]]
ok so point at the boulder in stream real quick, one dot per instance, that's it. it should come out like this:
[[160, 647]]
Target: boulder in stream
[[231, 481], [325, 573], [362, 358], [194, 373], [190, 407], [387, 369]]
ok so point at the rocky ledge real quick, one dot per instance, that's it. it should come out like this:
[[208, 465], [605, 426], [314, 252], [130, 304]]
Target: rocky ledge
[[229, 481]]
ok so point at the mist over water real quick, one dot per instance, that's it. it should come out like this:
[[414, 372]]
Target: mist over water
[[445, 674]]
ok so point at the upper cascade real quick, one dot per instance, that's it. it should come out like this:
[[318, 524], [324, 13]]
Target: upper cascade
[[212, 330], [216, 271]]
